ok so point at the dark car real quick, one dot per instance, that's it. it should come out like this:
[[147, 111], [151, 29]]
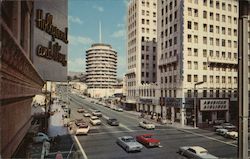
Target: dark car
[[79, 122], [113, 122]]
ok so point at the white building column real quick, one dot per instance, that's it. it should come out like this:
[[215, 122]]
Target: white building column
[[172, 114], [183, 120]]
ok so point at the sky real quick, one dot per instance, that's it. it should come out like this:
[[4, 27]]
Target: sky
[[83, 22]]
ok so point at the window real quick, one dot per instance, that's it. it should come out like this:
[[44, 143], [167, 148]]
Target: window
[[223, 6], [211, 53], [189, 52], [189, 38], [229, 31], [196, 39], [229, 19], [217, 42], [211, 28], [204, 40], [205, 2], [211, 16], [217, 93], [223, 30], [175, 27], [204, 78], [196, 12], [211, 41], [211, 93], [223, 18], [190, 11], [189, 65], [196, 65], [195, 52], [204, 93], [217, 79], [223, 79], [217, 5], [229, 79], [204, 66], [204, 53], [205, 14], [189, 93], [223, 42], [189, 78], [211, 79], [217, 29], [217, 17], [189, 25], [205, 27], [195, 78]]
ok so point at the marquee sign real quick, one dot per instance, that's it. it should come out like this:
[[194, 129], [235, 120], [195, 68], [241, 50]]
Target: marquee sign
[[214, 104]]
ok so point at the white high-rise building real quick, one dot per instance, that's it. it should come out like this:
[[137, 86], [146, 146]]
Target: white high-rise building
[[197, 54], [101, 69], [141, 47]]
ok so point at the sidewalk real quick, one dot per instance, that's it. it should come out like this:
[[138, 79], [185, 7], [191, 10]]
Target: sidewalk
[[147, 117]]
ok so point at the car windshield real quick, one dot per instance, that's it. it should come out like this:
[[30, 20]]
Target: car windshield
[[130, 140], [148, 136]]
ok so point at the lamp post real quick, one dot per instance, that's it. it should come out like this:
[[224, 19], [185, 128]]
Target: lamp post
[[195, 99]]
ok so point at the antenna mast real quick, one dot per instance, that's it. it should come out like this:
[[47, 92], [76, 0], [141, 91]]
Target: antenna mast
[[100, 32]]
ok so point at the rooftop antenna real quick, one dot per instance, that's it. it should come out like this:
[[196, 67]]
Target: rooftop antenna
[[100, 32]]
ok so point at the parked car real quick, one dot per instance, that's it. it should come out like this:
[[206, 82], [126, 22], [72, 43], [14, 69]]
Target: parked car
[[80, 110], [129, 143], [82, 129], [195, 152], [146, 125], [232, 135], [147, 140], [225, 126], [113, 122], [94, 120], [86, 114], [66, 122], [221, 131], [97, 113], [40, 137]]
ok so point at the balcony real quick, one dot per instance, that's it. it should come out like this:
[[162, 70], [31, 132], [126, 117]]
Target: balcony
[[169, 60], [222, 61]]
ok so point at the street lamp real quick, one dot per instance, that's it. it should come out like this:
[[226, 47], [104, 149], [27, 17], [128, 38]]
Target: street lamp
[[195, 99]]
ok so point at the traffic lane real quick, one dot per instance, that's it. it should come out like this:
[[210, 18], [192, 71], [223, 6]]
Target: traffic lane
[[106, 147], [121, 116]]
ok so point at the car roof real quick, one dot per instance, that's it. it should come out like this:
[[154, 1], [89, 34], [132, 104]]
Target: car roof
[[127, 137], [198, 149], [146, 135]]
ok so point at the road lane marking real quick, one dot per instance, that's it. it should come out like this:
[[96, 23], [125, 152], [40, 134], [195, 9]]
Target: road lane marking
[[81, 149], [211, 138], [125, 127]]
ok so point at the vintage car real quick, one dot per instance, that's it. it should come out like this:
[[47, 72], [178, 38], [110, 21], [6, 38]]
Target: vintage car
[[113, 122], [147, 140], [231, 134], [40, 137], [80, 110], [94, 120], [97, 113], [82, 129], [129, 143], [79, 121], [195, 152], [146, 125]]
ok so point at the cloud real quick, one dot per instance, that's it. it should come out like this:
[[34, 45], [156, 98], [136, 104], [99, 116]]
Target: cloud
[[126, 2], [118, 33], [75, 20], [77, 65], [75, 40], [99, 8]]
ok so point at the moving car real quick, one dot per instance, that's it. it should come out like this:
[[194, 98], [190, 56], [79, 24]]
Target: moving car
[[40, 137], [129, 143], [94, 120], [86, 114], [147, 140], [82, 129], [80, 110], [97, 113], [79, 121], [146, 125], [231, 134], [113, 122], [195, 152], [119, 109]]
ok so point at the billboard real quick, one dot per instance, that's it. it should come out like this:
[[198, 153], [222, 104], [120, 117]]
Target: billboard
[[214, 104], [50, 40]]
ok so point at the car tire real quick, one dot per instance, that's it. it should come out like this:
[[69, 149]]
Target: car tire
[[127, 149]]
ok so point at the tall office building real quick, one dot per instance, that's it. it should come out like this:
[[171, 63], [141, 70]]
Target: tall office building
[[197, 55], [141, 47], [101, 69]]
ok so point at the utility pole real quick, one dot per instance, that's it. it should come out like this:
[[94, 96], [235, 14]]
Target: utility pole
[[244, 10]]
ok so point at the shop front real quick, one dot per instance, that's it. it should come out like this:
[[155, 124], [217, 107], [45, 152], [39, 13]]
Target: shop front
[[213, 111]]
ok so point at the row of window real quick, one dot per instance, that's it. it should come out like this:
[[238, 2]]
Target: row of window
[[147, 92], [169, 19], [147, 30], [214, 93], [147, 13], [169, 79], [170, 5], [147, 4], [171, 30], [147, 57], [147, 66], [146, 74], [166, 68], [169, 54], [147, 48], [218, 79], [217, 17], [211, 53]]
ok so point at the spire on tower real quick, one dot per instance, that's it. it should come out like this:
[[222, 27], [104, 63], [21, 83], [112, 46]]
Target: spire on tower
[[100, 32]]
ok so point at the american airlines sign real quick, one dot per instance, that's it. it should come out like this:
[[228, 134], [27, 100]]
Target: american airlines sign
[[214, 104]]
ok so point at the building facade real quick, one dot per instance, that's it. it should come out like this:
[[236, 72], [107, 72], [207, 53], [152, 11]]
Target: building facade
[[20, 76], [197, 59], [141, 47], [101, 70]]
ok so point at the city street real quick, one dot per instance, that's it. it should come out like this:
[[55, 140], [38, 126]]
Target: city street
[[101, 140]]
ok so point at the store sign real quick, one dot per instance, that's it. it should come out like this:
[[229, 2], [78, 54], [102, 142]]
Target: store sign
[[214, 104], [145, 101], [173, 102], [50, 39]]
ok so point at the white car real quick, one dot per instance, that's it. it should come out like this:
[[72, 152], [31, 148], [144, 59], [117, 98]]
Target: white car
[[232, 134], [94, 120], [195, 152], [146, 125], [40, 137], [221, 132], [97, 113], [119, 109], [82, 129], [86, 114]]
